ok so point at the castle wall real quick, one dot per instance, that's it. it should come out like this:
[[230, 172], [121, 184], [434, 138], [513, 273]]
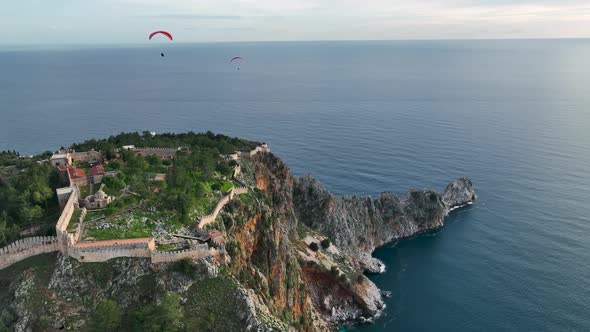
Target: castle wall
[[63, 194], [211, 217], [207, 219], [166, 153], [102, 251], [26, 248], [237, 170], [240, 190], [200, 251], [77, 235], [61, 227], [80, 182], [88, 156]]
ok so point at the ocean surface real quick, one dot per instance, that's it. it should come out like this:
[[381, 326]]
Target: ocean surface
[[367, 117]]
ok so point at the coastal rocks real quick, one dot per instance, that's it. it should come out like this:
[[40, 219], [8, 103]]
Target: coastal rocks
[[458, 193], [359, 225], [372, 265]]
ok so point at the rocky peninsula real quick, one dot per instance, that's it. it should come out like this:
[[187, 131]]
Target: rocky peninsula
[[293, 256]]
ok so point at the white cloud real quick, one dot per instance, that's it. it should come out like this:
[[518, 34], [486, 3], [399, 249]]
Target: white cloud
[[226, 20]]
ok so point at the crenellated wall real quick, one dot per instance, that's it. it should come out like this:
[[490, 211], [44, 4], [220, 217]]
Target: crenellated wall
[[101, 251], [207, 219], [26, 248], [239, 154], [166, 153], [199, 251], [240, 190], [88, 156]]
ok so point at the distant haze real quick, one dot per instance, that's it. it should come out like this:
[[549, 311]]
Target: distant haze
[[129, 21]]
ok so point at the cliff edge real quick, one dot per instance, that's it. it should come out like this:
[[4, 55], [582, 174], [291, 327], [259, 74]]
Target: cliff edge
[[355, 226]]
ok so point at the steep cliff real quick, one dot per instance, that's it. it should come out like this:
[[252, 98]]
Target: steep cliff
[[273, 239]]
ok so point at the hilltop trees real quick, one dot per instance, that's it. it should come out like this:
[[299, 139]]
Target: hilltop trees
[[203, 141], [167, 316], [27, 195], [107, 316]]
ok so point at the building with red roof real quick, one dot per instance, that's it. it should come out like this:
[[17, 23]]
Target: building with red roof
[[76, 176], [97, 170]]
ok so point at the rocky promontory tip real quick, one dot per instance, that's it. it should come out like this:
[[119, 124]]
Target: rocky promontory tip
[[358, 225], [458, 193]]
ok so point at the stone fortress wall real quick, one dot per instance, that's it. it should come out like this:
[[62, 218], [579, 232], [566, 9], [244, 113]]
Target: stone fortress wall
[[61, 228], [210, 218], [207, 219], [87, 156], [166, 153], [101, 251], [26, 248], [77, 235], [199, 251]]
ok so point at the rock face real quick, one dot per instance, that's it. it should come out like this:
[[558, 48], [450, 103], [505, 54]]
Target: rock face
[[355, 225], [359, 225], [458, 193]]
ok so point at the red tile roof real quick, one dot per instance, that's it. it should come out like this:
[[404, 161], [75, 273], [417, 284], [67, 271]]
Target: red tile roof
[[97, 170], [76, 172]]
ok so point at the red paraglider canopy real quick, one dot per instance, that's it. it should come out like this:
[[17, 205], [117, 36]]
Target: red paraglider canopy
[[235, 58], [165, 33]]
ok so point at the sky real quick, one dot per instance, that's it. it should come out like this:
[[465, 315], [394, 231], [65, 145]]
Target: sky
[[129, 21]]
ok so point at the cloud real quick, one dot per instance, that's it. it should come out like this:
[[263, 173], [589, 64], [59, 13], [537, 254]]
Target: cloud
[[195, 17], [247, 20]]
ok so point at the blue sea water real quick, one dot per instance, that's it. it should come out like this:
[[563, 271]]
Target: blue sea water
[[366, 117]]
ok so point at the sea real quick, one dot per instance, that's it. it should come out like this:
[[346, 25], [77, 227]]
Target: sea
[[368, 117]]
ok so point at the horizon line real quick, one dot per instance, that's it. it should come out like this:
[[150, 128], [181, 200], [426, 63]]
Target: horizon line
[[288, 41]]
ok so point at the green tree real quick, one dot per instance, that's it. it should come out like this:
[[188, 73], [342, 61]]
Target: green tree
[[115, 164], [200, 189], [114, 183], [325, 243], [136, 164], [107, 316], [29, 213], [205, 164], [153, 160], [166, 317], [8, 233], [223, 169]]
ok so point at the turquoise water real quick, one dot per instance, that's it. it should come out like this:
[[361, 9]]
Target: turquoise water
[[366, 117]]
